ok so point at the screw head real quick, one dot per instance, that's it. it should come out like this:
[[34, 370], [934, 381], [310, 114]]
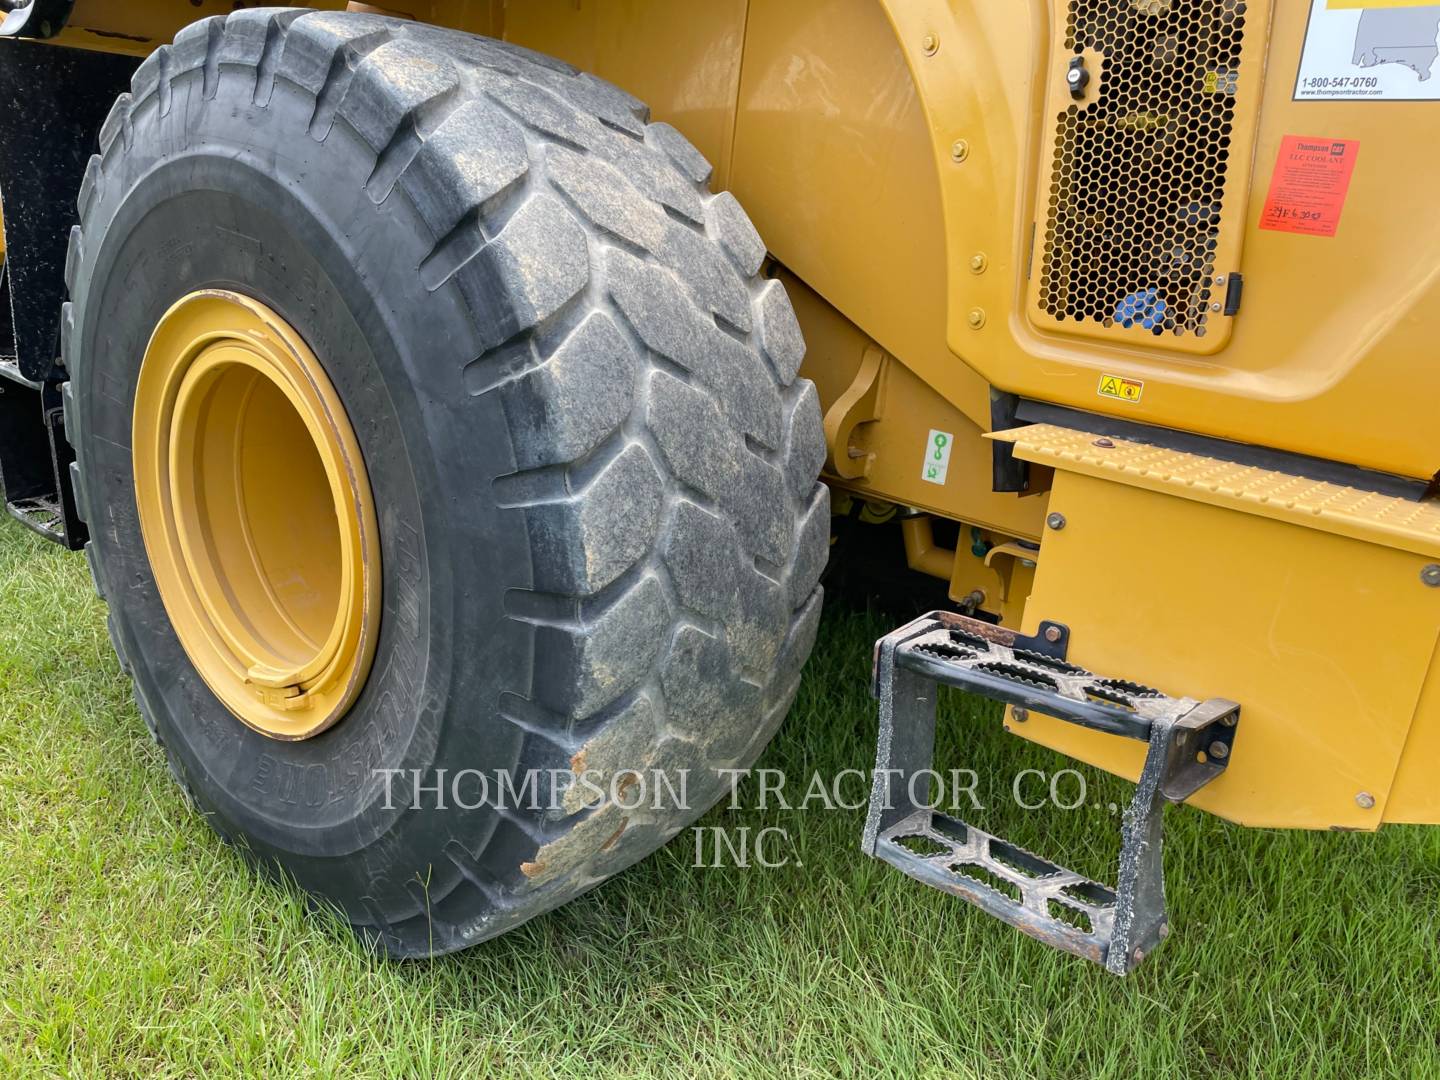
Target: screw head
[[930, 43], [1052, 634], [1073, 76], [1055, 521], [959, 150], [1431, 575], [979, 263], [1020, 715], [977, 318], [1365, 801]]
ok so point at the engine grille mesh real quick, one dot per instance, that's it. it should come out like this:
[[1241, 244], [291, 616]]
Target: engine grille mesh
[[1135, 203]]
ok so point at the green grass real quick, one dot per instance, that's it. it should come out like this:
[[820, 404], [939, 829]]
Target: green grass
[[133, 943]]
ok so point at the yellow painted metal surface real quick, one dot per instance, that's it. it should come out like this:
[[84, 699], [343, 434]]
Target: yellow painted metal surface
[[882, 172], [1322, 630], [1415, 798], [895, 445], [834, 162], [681, 59], [273, 592], [1322, 358], [997, 582], [1405, 524]]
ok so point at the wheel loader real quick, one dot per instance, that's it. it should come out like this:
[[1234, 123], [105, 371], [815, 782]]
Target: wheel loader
[[471, 386]]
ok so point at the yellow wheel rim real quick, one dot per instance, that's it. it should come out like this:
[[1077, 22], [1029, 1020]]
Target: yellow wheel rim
[[257, 514]]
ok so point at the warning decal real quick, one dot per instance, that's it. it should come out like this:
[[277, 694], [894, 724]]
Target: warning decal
[[1371, 50], [1113, 386], [1307, 192]]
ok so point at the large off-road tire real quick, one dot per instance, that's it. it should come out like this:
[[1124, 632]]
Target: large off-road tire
[[593, 466]]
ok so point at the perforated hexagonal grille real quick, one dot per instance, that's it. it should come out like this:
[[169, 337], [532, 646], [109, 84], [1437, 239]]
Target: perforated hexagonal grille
[[1138, 176]]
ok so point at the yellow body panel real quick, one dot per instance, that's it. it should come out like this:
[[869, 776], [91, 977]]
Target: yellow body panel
[[1323, 356], [681, 59], [1415, 797], [1322, 628], [839, 132]]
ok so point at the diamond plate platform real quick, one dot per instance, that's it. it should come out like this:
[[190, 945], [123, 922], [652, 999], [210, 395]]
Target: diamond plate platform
[[1389, 520]]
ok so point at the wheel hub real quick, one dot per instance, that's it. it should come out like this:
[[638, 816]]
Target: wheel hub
[[257, 514]]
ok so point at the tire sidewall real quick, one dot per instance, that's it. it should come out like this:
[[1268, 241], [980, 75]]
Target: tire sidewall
[[297, 232]]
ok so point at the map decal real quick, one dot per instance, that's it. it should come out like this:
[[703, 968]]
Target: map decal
[[1371, 50]]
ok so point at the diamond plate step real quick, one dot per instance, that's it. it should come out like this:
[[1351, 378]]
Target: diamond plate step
[[1389, 520], [1189, 741]]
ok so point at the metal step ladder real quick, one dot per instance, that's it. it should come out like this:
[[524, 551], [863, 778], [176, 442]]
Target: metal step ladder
[[1189, 743]]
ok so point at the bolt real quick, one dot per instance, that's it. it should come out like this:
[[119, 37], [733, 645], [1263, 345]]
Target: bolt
[[1105, 444], [1431, 575], [930, 43], [1220, 280], [1365, 801], [979, 263], [1214, 307], [977, 318], [959, 150], [1219, 751], [1052, 634], [1020, 715], [1056, 521]]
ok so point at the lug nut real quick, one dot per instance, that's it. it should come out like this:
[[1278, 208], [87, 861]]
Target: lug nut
[[1052, 634], [1020, 715], [1219, 751]]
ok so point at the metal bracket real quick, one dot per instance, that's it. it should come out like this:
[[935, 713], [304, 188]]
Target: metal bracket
[[862, 403]]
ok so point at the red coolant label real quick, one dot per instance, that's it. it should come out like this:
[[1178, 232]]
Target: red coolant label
[[1307, 192]]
